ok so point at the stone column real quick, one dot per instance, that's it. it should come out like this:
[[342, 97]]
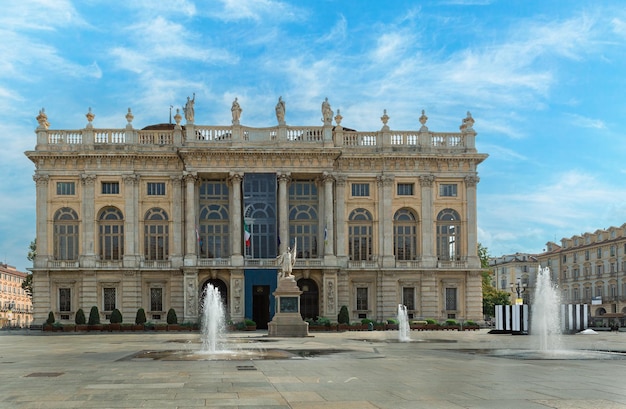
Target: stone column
[[191, 241], [329, 244], [88, 217], [341, 219], [472, 229], [131, 225], [43, 252], [283, 212], [428, 239], [235, 221], [177, 221], [385, 221]]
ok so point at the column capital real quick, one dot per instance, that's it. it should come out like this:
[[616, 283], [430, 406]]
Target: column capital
[[427, 180], [471, 181], [190, 177], [328, 177], [385, 180], [176, 180], [41, 180], [284, 177], [235, 177], [88, 179], [131, 179], [341, 180]]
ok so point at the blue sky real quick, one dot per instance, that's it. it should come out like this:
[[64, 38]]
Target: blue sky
[[544, 81]]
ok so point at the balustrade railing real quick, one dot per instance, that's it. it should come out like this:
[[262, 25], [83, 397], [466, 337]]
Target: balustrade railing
[[110, 136]]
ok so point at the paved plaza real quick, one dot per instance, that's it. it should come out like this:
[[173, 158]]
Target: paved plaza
[[347, 370]]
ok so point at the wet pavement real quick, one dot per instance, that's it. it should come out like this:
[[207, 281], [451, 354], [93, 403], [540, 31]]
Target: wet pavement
[[347, 370]]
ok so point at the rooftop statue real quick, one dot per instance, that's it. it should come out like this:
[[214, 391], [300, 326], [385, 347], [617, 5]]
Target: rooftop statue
[[280, 111], [327, 113], [236, 111], [189, 109]]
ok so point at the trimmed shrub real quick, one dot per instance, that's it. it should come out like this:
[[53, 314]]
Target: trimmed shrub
[[392, 321], [431, 321], [50, 319], [451, 322], [366, 321], [344, 315], [323, 321], [116, 317], [94, 316], [140, 318], [249, 323], [171, 317], [80, 317]]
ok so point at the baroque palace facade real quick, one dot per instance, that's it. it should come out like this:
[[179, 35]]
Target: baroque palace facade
[[130, 218]]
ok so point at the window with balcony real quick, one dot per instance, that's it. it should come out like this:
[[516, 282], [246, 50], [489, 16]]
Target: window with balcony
[[448, 235], [156, 234], [66, 226], [405, 230], [360, 225], [111, 234]]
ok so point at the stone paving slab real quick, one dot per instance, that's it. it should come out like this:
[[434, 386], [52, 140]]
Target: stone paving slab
[[447, 370]]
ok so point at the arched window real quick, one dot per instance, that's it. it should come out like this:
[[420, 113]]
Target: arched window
[[66, 234], [405, 235], [214, 235], [303, 230], [448, 235], [111, 234], [360, 235], [156, 235], [214, 241]]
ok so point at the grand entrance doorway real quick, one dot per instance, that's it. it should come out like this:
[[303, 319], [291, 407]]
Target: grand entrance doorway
[[261, 305]]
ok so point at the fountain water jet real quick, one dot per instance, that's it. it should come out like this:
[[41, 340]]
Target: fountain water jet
[[404, 329], [213, 321], [545, 323]]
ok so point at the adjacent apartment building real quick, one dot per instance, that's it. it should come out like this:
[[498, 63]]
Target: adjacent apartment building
[[515, 274], [16, 309], [147, 218], [591, 269]]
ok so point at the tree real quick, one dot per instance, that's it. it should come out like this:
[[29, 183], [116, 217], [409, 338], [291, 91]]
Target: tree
[[171, 317], [491, 296], [94, 316], [27, 284]]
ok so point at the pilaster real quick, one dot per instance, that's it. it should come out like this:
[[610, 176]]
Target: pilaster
[[88, 217], [191, 242], [235, 223], [329, 227], [340, 231], [190, 278], [385, 220], [283, 212], [177, 240], [131, 225], [429, 258], [41, 181], [471, 217]]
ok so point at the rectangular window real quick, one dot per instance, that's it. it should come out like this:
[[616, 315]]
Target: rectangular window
[[408, 298], [599, 253], [405, 189], [65, 303], [450, 299], [156, 189], [612, 251], [361, 189], [156, 299], [586, 255], [361, 298], [66, 188], [110, 188], [448, 189], [109, 299], [599, 270]]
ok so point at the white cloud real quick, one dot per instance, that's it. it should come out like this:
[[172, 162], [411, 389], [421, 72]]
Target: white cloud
[[584, 122], [337, 33], [257, 10]]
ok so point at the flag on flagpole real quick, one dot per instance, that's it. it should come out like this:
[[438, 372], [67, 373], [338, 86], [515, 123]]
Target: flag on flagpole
[[246, 234], [325, 236], [197, 233]]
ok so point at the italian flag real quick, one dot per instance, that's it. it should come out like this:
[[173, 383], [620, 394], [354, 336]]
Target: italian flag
[[246, 234]]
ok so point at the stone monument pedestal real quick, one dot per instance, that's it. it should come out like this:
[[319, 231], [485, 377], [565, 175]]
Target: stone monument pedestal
[[287, 321]]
